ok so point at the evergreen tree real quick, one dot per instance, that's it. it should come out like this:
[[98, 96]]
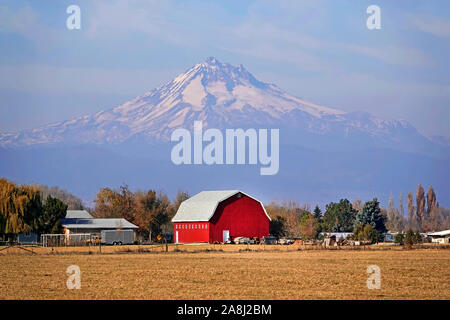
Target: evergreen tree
[[417, 237], [52, 212], [370, 234], [371, 214], [339, 217], [399, 238], [317, 212], [409, 238], [277, 227]]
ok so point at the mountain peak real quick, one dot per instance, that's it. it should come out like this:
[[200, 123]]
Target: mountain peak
[[212, 61], [217, 93]]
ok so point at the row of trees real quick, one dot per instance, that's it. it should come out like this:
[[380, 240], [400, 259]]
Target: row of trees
[[23, 209], [424, 213], [38, 208], [289, 219], [366, 220], [152, 211]]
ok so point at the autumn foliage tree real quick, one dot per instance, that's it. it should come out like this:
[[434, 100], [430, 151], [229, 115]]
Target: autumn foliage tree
[[308, 226], [150, 210], [290, 215], [20, 207], [427, 215], [111, 203], [431, 199], [420, 204]]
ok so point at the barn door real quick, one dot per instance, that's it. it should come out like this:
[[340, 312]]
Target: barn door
[[176, 236], [226, 235]]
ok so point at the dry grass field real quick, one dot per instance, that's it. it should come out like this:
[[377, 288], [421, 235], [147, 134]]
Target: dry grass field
[[225, 272]]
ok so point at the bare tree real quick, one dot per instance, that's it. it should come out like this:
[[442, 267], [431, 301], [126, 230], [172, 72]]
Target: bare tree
[[357, 204], [402, 210]]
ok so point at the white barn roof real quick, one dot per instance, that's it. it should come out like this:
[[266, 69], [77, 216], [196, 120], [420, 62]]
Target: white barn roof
[[202, 206], [78, 214]]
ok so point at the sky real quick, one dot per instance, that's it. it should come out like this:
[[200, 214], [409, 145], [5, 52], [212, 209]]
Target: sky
[[318, 50]]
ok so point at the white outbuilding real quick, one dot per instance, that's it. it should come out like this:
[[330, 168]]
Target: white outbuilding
[[440, 236]]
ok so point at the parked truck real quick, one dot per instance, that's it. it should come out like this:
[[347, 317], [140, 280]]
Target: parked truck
[[117, 237]]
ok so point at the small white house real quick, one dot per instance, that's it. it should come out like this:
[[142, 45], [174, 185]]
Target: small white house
[[440, 236]]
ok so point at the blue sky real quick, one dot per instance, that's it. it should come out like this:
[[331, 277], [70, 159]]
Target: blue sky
[[319, 50]]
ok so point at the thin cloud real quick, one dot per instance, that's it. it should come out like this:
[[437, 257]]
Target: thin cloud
[[432, 25], [395, 55]]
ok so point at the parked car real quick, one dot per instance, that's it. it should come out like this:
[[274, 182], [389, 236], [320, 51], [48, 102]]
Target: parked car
[[270, 240], [285, 241], [242, 240]]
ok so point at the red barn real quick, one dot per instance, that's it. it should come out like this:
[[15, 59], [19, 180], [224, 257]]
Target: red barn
[[212, 216]]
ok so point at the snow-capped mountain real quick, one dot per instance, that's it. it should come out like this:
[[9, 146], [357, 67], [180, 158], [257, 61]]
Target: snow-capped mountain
[[325, 154], [222, 96]]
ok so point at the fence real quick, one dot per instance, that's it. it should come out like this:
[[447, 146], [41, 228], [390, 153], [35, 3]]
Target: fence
[[73, 239]]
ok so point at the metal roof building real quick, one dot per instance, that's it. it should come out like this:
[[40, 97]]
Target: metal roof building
[[80, 221], [440, 236], [215, 216]]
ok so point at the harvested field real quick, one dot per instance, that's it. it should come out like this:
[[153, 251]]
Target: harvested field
[[279, 272]]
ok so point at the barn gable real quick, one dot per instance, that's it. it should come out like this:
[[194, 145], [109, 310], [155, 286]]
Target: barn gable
[[203, 205]]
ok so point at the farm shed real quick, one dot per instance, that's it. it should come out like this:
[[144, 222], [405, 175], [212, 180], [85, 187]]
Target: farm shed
[[80, 221], [440, 237], [215, 216], [337, 235]]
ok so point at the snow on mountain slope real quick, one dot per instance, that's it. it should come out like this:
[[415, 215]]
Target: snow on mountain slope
[[219, 94]]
